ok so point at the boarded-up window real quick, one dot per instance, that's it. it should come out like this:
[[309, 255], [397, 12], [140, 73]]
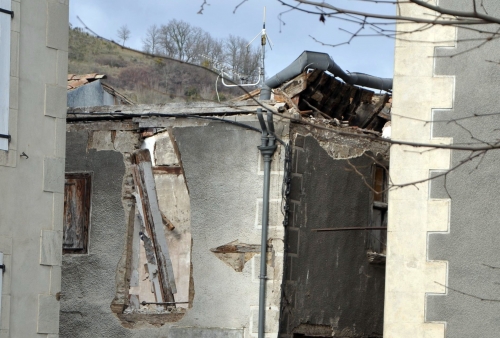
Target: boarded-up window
[[77, 191]]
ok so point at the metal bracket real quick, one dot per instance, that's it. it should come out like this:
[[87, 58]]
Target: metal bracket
[[5, 136], [11, 13]]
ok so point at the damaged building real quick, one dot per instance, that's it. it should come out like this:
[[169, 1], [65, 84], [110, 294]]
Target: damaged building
[[163, 216], [173, 228]]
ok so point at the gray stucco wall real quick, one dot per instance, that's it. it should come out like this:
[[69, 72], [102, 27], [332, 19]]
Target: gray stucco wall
[[221, 165], [470, 247], [330, 288], [88, 281]]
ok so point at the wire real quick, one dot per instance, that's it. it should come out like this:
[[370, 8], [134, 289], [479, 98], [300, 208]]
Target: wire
[[187, 63], [216, 90]]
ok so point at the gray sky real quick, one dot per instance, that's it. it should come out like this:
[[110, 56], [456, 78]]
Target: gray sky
[[369, 55]]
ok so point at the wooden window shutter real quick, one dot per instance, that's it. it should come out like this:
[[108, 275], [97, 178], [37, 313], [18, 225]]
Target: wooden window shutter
[[77, 190], [5, 57]]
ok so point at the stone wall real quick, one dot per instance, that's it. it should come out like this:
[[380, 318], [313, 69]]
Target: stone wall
[[32, 170]]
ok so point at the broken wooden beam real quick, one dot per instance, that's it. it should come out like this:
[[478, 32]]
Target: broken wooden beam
[[375, 110], [145, 185], [165, 169], [170, 226]]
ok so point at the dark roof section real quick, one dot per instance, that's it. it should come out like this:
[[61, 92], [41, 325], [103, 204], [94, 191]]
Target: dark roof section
[[321, 95]]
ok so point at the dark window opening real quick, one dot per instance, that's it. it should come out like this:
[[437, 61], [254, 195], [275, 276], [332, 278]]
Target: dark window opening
[[77, 191], [378, 238]]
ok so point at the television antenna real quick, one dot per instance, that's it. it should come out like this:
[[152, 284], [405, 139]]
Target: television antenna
[[263, 40], [226, 70]]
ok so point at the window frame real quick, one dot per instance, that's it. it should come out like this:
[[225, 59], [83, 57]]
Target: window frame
[[87, 209], [379, 209]]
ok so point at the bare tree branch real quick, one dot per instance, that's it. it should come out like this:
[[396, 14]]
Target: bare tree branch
[[469, 294], [202, 7], [238, 5], [338, 131], [472, 19]]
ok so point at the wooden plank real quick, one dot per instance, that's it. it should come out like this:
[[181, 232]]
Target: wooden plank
[[380, 205], [77, 192], [168, 108], [152, 266], [153, 277], [144, 179], [295, 86], [159, 238], [165, 169], [170, 226], [288, 100], [134, 262], [374, 111], [102, 125], [312, 76]]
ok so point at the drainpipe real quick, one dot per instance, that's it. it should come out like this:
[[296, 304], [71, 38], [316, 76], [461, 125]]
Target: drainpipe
[[267, 149], [322, 61], [2, 268]]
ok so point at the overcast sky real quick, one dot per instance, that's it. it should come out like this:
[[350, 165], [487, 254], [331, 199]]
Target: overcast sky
[[367, 55]]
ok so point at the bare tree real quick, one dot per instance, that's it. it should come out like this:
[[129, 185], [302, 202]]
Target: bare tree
[[210, 51], [375, 23], [242, 59], [152, 40], [179, 39], [123, 34]]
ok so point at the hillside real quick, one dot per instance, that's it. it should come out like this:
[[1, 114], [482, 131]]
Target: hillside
[[142, 78]]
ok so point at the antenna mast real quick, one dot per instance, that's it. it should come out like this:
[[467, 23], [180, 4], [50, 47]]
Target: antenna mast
[[263, 48], [263, 40], [260, 81]]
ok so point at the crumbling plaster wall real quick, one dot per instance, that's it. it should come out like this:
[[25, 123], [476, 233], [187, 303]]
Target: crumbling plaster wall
[[88, 281], [223, 172], [330, 287]]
